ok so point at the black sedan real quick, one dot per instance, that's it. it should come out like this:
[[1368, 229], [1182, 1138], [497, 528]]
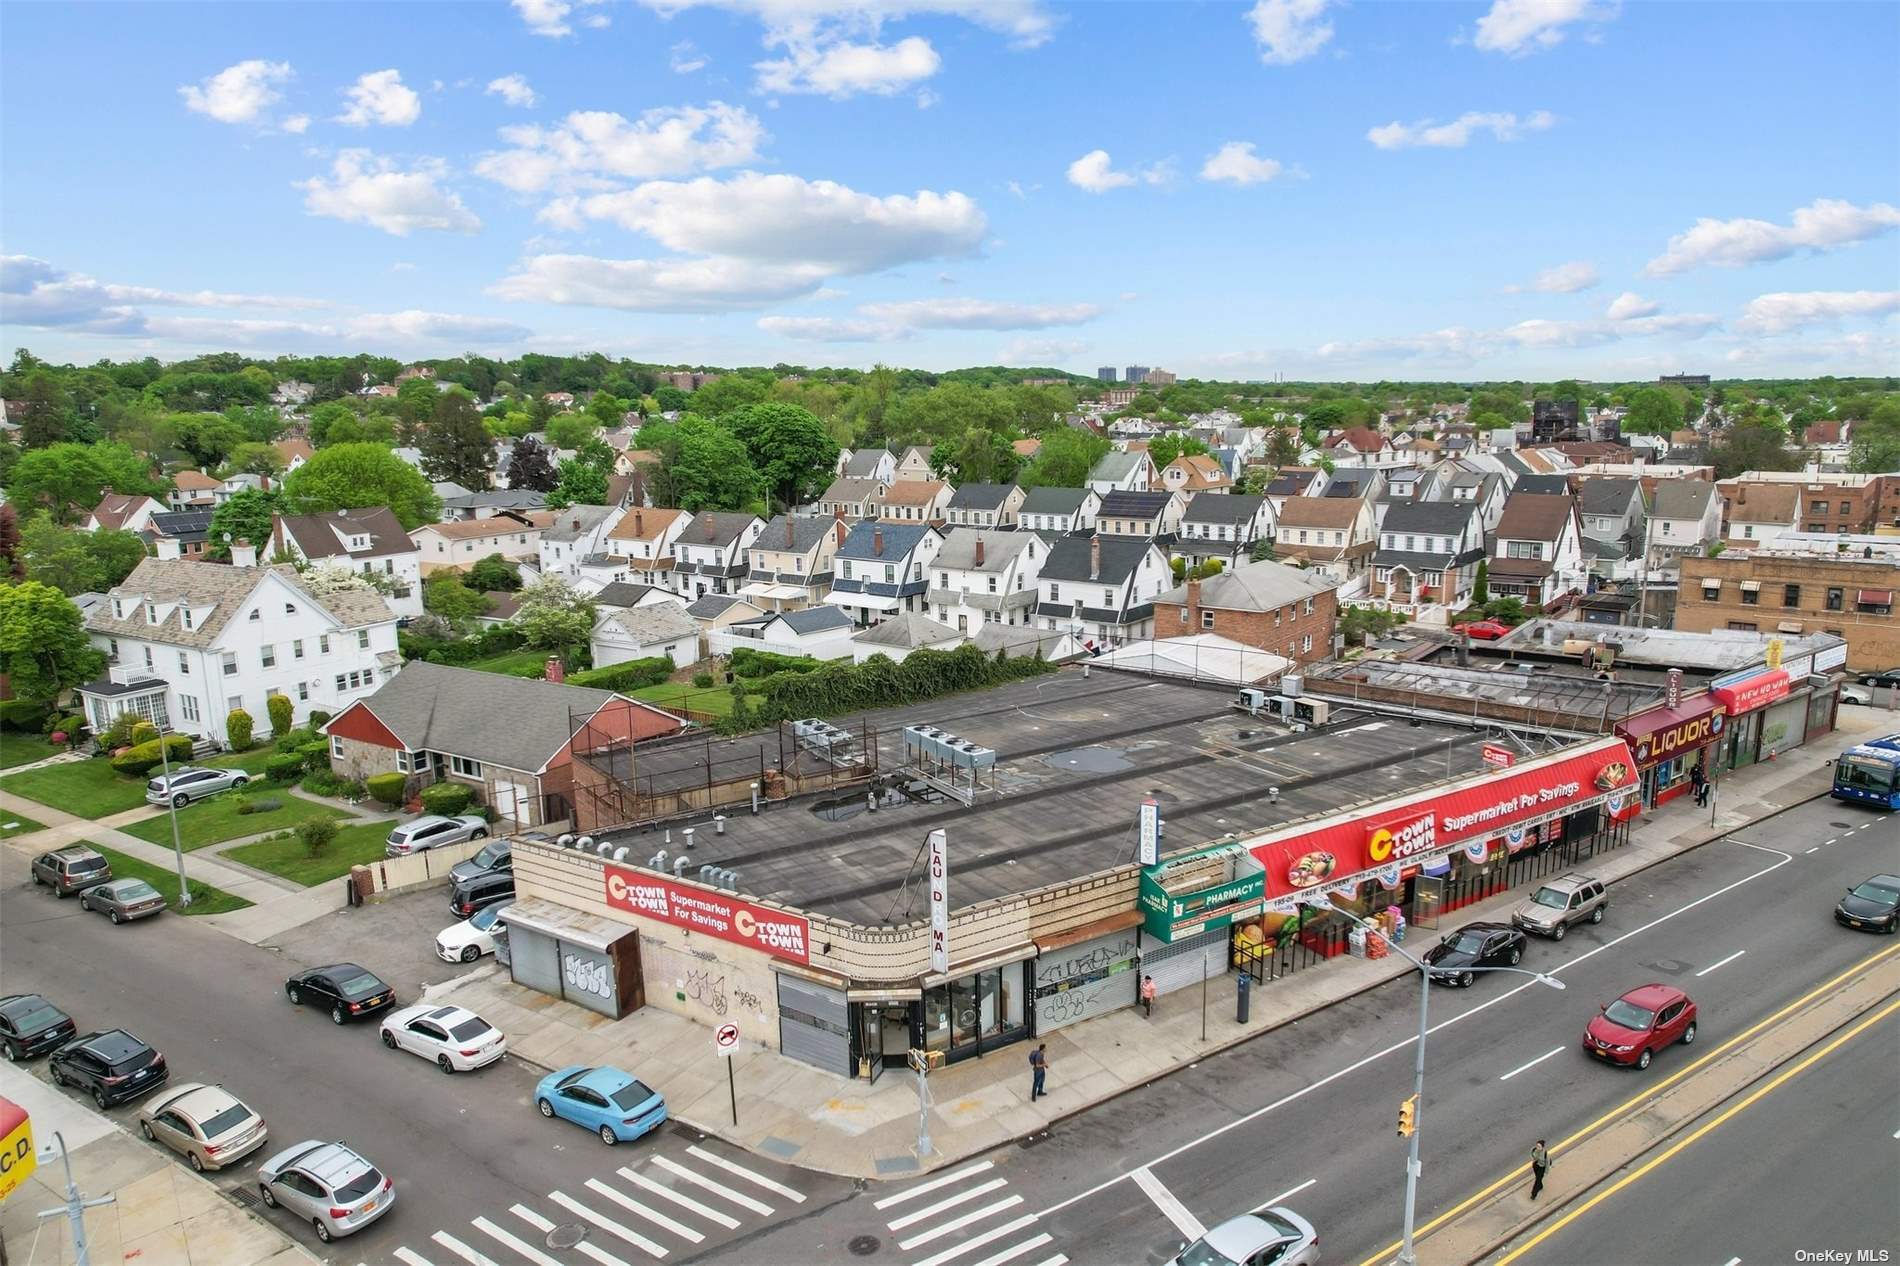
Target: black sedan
[[112, 1066], [1474, 945], [348, 991], [30, 1025], [1874, 905], [1885, 677]]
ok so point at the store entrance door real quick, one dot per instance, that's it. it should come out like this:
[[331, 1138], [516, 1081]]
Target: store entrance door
[[1428, 894], [895, 1021], [871, 1039]]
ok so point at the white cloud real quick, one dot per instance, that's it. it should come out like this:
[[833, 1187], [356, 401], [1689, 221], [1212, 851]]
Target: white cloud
[[513, 89], [366, 189], [413, 326], [35, 293], [1040, 351], [1463, 344], [1289, 31], [684, 58], [591, 146], [1784, 311], [1025, 22], [1094, 173], [843, 69], [656, 285], [1456, 134], [1823, 225], [1629, 304], [550, 17], [1236, 164], [979, 314], [238, 94], [831, 329], [1564, 279], [381, 97], [296, 124], [1517, 27]]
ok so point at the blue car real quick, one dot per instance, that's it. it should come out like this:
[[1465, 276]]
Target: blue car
[[615, 1105]]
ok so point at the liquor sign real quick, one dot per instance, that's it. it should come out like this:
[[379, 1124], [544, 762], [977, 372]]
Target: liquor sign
[[1665, 733], [939, 875], [1672, 691], [1150, 833], [1498, 755], [696, 909]]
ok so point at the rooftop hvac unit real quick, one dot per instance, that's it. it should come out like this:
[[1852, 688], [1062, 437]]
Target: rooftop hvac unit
[[1315, 711], [806, 727], [982, 757], [1251, 700], [1293, 685]]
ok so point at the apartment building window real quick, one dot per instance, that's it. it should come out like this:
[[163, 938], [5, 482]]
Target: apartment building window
[[230, 664], [1751, 597], [1847, 507], [1309, 606], [1748, 531], [992, 584], [188, 707], [1055, 593], [1108, 599], [1835, 599], [234, 704], [113, 642], [268, 656], [323, 644], [296, 649], [847, 571], [151, 613], [303, 692], [943, 579], [1306, 643], [890, 574], [1791, 595], [148, 657], [1741, 626], [1817, 507], [465, 767], [184, 664], [184, 616]]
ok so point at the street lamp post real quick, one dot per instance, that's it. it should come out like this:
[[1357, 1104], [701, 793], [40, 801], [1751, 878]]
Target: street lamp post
[[75, 1207], [171, 807], [1408, 1255]]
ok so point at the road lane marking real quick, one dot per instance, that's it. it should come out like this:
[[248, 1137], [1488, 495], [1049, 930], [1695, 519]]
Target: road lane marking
[[585, 1249], [683, 1201], [472, 1256], [607, 1224], [1815, 849], [957, 1224], [515, 1242], [1724, 963], [1733, 1261], [633, 1206], [408, 1258], [1292, 1192], [698, 1179], [978, 1241], [962, 1197], [1403, 1043], [1026, 1246], [711, 1158], [1534, 1063], [932, 1185], [1781, 1079], [1185, 1222]]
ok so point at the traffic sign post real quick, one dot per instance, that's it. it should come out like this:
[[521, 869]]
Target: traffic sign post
[[725, 1041]]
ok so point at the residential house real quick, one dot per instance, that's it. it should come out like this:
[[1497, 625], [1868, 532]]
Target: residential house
[[1059, 510], [1123, 472], [985, 506], [1836, 502], [194, 490], [189, 642], [1194, 472], [1428, 553], [854, 498], [986, 576], [1145, 514], [644, 539], [1026, 449], [1356, 446], [1759, 513], [559, 399], [788, 567], [1685, 517], [709, 555], [435, 723], [460, 543], [1354, 483], [632, 461], [1294, 481], [242, 481], [628, 594], [1481, 489], [122, 512], [1222, 525], [902, 634], [914, 465], [1538, 552], [717, 612], [369, 540], [648, 632], [876, 464], [493, 501], [576, 534], [1102, 588], [1268, 605], [1554, 485], [1336, 535], [881, 569], [180, 533], [821, 632], [914, 501], [1615, 514], [293, 452], [503, 608]]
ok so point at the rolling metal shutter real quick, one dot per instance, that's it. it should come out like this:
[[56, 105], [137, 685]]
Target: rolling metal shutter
[[534, 960], [1179, 965], [1080, 982], [814, 1025]]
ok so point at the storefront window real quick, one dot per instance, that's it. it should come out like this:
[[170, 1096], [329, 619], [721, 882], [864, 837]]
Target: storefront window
[[976, 1013]]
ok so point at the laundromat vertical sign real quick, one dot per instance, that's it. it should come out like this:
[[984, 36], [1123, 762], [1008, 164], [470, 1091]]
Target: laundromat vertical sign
[[938, 847], [17, 1159]]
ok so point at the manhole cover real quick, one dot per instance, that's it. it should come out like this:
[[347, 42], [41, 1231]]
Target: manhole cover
[[1840, 825], [864, 1245], [566, 1235]]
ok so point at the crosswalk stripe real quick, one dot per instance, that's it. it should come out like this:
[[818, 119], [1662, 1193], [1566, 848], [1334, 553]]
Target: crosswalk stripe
[[515, 1242], [1017, 1251], [699, 1179], [532, 1218], [712, 1158], [1057, 1260], [408, 1258], [585, 1249], [932, 1185], [657, 1218], [472, 1256], [978, 1241], [957, 1224], [962, 1197], [683, 1201], [607, 1224]]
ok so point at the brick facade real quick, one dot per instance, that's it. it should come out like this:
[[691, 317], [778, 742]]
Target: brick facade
[[1300, 634], [1825, 595]]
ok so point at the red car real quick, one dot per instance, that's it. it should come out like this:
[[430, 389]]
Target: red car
[[1643, 1021], [1486, 630]]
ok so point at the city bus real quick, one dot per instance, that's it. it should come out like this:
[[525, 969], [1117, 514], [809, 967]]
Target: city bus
[[1870, 773]]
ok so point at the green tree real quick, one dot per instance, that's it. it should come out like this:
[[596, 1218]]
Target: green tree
[[416, 399], [316, 835], [1262, 551], [942, 414], [1752, 446], [531, 465], [237, 729], [580, 483], [554, 615], [445, 594], [47, 418], [494, 573], [607, 410], [12, 555], [1490, 421], [571, 430], [979, 455], [67, 480], [207, 438], [350, 476], [281, 711], [1652, 412], [671, 399], [728, 392], [327, 418], [709, 469], [1163, 449], [1481, 587], [1065, 460], [788, 447], [456, 446], [44, 649], [1876, 448], [243, 516], [75, 562], [254, 458]]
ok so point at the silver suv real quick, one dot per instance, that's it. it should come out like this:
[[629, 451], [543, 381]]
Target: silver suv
[[70, 869], [433, 831], [328, 1185], [192, 782], [1561, 902]]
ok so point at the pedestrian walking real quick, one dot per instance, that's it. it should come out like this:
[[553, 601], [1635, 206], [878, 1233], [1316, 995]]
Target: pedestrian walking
[[1540, 1165], [1695, 782], [1148, 996], [1702, 787], [1038, 1069]]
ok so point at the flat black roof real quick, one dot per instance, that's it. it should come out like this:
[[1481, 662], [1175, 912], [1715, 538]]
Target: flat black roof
[[1075, 758]]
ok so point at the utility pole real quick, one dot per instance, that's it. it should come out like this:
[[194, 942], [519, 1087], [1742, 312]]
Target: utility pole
[[171, 807], [75, 1207]]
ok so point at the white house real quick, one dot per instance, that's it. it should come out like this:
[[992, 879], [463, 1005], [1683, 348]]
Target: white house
[[1146, 514], [905, 632], [643, 540], [878, 464], [369, 540], [709, 554], [1123, 472], [986, 576], [1539, 548], [460, 543], [645, 632], [882, 569], [122, 512], [1685, 517], [914, 464], [1223, 525], [851, 497], [189, 642], [1059, 510], [821, 632], [985, 506], [788, 566], [577, 533], [1102, 588], [1428, 554]]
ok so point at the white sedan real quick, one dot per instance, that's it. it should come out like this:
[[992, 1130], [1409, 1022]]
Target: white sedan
[[468, 940], [457, 1039]]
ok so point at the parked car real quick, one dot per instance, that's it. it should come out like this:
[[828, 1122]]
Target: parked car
[[328, 1184], [1486, 630], [30, 1025], [112, 1066], [350, 992], [466, 896], [613, 1104], [1560, 902], [1874, 905], [433, 831], [1862, 695], [209, 1125], [67, 870], [457, 1039], [123, 900], [192, 782], [1274, 1236], [1643, 1021], [1474, 945], [496, 856], [1884, 677], [474, 936]]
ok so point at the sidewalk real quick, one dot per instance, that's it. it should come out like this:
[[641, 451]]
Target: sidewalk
[[792, 1112], [164, 1214]]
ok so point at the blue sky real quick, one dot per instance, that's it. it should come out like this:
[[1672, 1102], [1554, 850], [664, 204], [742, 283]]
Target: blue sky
[[1523, 188]]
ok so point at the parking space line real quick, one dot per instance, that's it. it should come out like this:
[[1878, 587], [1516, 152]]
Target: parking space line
[[633, 1206], [607, 1224], [1534, 1063], [1725, 962], [1017, 1251], [932, 1185], [711, 1158], [962, 1197], [978, 1241], [957, 1224], [1292, 1192], [694, 1176], [1186, 1223], [472, 1256], [683, 1201], [408, 1258], [515, 1242]]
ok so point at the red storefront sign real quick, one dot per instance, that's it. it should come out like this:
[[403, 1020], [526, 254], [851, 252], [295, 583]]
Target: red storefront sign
[[1662, 734], [696, 909], [1480, 807], [1498, 755], [1757, 692]]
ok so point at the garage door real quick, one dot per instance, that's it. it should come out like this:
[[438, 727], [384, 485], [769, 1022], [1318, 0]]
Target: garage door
[[814, 1025], [513, 803], [1181, 964], [1080, 982]]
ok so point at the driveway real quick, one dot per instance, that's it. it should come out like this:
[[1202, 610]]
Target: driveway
[[393, 938]]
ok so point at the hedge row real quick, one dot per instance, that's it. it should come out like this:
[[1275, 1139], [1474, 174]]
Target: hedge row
[[631, 675], [138, 761], [747, 662], [880, 683], [490, 642], [24, 715]]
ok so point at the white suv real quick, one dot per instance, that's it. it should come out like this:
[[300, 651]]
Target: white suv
[[327, 1184], [433, 831]]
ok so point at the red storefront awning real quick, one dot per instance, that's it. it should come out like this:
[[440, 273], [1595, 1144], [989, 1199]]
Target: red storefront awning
[[1874, 597], [1662, 734], [1758, 691]]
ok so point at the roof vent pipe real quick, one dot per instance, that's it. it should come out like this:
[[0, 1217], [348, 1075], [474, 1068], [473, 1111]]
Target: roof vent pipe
[[680, 864], [658, 860]]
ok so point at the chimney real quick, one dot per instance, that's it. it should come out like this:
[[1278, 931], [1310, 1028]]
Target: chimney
[[788, 531], [877, 541], [639, 528], [979, 551], [1194, 604], [556, 671], [707, 520], [243, 553], [168, 547], [1095, 558], [577, 525]]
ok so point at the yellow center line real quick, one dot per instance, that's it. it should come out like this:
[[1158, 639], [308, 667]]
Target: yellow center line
[[1791, 1072], [1517, 1173]]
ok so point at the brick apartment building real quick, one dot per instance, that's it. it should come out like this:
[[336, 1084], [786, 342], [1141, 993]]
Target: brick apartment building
[[1832, 503], [1276, 608], [1800, 587]]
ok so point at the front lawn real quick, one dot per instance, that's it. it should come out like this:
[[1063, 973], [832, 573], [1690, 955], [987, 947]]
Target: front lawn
[[513, 664], [12, 824], [251, 762], [288, 858], [83, 788], [204, 898], [215, 820], [24, 749], [717, 701]]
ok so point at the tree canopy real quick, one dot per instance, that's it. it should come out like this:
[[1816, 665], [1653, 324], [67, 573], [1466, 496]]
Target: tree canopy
[[44, 648], [350, 476]]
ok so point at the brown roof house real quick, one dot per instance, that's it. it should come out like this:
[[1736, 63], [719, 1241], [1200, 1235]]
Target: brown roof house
[[1537, 552], [914, 501], [1336, 535]]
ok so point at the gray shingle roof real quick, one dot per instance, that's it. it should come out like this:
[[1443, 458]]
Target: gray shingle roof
[[999, 547], [575, 522], [898, 540], [1117, 466], [436, 708], [864, 463], [1444, 518], [1134, 505], [323, 535], [656, 622], [1222, 507], [852, 488], [1069, 558], [720, 528], [622, 593], [713, 605], [1682, 498], [226, 590], [981, 496], [806, 532], [499, 499], [1605, 496], [816, 619], [907, 630], [1054, 500], [1263, 586]]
